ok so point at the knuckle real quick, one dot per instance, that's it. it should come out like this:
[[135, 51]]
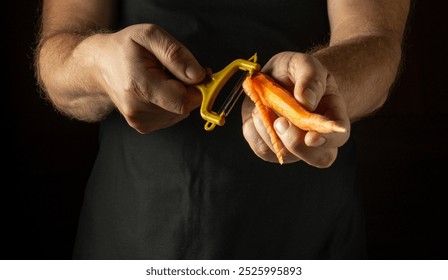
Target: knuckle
[[173, 52], [325, 159], [151, 30], [263, 150], [128, 111], [294, 144], [312, 83], [246, 129], [304, 60], [168, 47], [259, 147], [310, 71], [136, 124], [134, 88]]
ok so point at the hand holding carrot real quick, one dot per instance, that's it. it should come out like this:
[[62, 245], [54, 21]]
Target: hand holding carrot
[[315, 89]]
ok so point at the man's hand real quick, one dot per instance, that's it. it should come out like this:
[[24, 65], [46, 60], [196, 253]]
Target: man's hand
[[315, 88], [146, 73], [141, 70]]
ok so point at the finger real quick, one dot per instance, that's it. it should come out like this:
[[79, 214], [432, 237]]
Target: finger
[[331, 140], [247, 109], [332, 105], [293, 139], [261, 129], [292, 135], [301, 74], [256, 142], [159, 88], [310, 79], [171, 53], [150, 117]]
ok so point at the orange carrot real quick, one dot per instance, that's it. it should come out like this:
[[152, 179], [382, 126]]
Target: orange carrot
[[266, 114], [268, 94], [276, 97]]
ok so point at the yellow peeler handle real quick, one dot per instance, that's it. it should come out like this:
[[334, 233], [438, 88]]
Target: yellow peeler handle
[[213, 85]]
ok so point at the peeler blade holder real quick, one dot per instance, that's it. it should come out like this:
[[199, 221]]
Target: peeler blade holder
[[213, 85]]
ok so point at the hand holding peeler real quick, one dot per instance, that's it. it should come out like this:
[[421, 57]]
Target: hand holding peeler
[[213, 85]]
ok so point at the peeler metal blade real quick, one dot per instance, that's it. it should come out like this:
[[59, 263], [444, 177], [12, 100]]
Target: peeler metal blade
[[233, 97]]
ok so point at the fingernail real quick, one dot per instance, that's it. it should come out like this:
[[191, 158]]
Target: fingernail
[[194, 72], [281, 125], [319, 142], [310, 98]]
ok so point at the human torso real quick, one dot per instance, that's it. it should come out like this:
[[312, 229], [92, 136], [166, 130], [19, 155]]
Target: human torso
[[183, 192]]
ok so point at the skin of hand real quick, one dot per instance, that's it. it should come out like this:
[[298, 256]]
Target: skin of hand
[[134, 66], [315, 88], [142, 70], [346, 80]]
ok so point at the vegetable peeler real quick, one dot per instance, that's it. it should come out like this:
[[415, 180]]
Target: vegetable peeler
[[213, 85]]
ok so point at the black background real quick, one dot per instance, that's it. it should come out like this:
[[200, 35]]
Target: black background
[[402, 151]]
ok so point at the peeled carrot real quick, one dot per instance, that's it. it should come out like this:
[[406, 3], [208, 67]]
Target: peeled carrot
[[266, 114], [268, 94]]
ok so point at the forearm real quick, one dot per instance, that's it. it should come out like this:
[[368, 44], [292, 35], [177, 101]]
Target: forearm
[[68, 75], [365, 68], [65, 65]]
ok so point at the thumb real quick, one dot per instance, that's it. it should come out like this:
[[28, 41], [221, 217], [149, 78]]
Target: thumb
[[171, 54]]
